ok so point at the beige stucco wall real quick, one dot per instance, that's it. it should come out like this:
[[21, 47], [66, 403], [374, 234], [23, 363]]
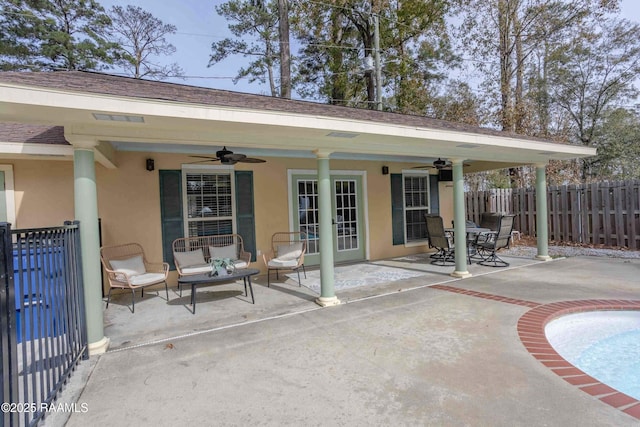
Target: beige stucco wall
[[43, 192], [129, 199], [445, 193]]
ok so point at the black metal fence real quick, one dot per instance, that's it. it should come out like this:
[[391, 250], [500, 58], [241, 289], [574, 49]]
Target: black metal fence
[[42, 319]]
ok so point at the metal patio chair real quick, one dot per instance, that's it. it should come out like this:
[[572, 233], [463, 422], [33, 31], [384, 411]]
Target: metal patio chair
[[439, 240], [487, 250]]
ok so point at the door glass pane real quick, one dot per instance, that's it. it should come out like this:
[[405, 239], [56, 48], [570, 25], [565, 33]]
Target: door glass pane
[[308, 213], [346, 215]]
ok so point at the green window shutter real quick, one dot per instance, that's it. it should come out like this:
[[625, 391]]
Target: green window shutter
[[397, 209], [170, 211], [434, 195], [245, 217]]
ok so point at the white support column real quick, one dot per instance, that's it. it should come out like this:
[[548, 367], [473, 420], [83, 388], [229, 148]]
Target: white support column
[[542, 226], [459, 229], [86, 211], [325, 225]]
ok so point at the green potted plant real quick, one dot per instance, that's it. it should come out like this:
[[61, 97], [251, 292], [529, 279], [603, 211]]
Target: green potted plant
[[221, 266]]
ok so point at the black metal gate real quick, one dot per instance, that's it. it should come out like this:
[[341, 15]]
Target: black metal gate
[[42, 319]]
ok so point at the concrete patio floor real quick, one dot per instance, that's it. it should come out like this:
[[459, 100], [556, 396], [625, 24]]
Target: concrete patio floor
[[400, 353]]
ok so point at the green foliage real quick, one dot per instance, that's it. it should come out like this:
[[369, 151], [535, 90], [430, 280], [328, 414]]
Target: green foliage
[[337, 37], [250, 20], [618, 142], [54, 34]]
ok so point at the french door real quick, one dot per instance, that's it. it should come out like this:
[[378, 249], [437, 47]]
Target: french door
[[347, 209]]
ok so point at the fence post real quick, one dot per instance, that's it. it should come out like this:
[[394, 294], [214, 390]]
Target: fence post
[[8, 340]]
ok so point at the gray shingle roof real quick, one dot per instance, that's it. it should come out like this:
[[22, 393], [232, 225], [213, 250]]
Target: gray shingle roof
[[91, 82], [35, 134]]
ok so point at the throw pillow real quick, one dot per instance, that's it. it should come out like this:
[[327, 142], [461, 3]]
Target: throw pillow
[[185, 259], [130, 266], [289, 252], [223, 252]]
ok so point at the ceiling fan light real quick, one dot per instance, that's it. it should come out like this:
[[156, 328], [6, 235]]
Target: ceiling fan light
[[439, 164]]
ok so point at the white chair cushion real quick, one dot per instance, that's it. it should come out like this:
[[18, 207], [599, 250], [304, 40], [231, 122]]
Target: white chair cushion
[[282, 263], [223, 252], [146, 279], [238, 263], [289, 252], [189, 258], [196, 269], [130, 266]]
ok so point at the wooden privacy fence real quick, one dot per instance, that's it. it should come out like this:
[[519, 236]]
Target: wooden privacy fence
[[601, 213]]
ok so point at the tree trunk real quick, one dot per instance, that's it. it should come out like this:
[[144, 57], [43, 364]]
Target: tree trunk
[[504, 51], [338, 79], [285, 54], [519, 110]]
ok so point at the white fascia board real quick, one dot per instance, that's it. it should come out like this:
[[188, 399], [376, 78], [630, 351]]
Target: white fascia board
[[46, 97], [22, 148], [54, 151]]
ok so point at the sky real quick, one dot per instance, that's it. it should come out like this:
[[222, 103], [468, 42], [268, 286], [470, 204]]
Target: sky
[[198, 25]]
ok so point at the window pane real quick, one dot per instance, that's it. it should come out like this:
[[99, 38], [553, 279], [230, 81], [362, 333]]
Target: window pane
[[308, 212], [416, 202], [210, 228], [209, 197], [416, 225]]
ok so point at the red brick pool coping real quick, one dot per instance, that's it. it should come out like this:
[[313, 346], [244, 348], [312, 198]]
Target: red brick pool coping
[[531, 331]]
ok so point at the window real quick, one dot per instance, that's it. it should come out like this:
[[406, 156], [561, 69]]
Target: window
[[416, 205], [208, 205]]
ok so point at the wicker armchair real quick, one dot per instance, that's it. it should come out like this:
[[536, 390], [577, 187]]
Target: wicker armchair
[[287, 253], [128, 268]]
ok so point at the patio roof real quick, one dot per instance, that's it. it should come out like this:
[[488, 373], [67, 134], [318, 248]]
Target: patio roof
[[128, 114]]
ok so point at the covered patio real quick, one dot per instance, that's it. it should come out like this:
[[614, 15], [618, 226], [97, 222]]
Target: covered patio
[[109, 120], [224, 306]]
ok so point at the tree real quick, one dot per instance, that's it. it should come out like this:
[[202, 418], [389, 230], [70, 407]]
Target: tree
[[141, 39], [338, 37], [618, 142], [54, 34], [518, 44], [250, 19], [594, 71]]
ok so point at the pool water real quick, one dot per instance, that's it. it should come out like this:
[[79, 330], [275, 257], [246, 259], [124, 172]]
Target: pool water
[[603, 344]]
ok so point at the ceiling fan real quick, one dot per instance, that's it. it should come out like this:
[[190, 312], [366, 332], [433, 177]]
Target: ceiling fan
[[227, 157], [438, 164]]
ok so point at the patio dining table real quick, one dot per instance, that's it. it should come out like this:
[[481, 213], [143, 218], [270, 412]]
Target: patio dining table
[[472, 235]]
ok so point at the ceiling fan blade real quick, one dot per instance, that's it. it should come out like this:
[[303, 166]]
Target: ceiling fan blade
[[204, 161], [206, 157], [233, 157], [251, 160]]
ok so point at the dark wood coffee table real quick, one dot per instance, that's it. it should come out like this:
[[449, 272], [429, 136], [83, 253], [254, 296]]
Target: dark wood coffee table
[[204, 279]]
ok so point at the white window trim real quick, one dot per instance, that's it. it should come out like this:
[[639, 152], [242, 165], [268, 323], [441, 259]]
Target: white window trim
[[9, 194], [210, 169], [412, 172]]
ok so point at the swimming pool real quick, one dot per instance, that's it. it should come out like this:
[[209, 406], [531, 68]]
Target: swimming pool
[[603, 344]]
